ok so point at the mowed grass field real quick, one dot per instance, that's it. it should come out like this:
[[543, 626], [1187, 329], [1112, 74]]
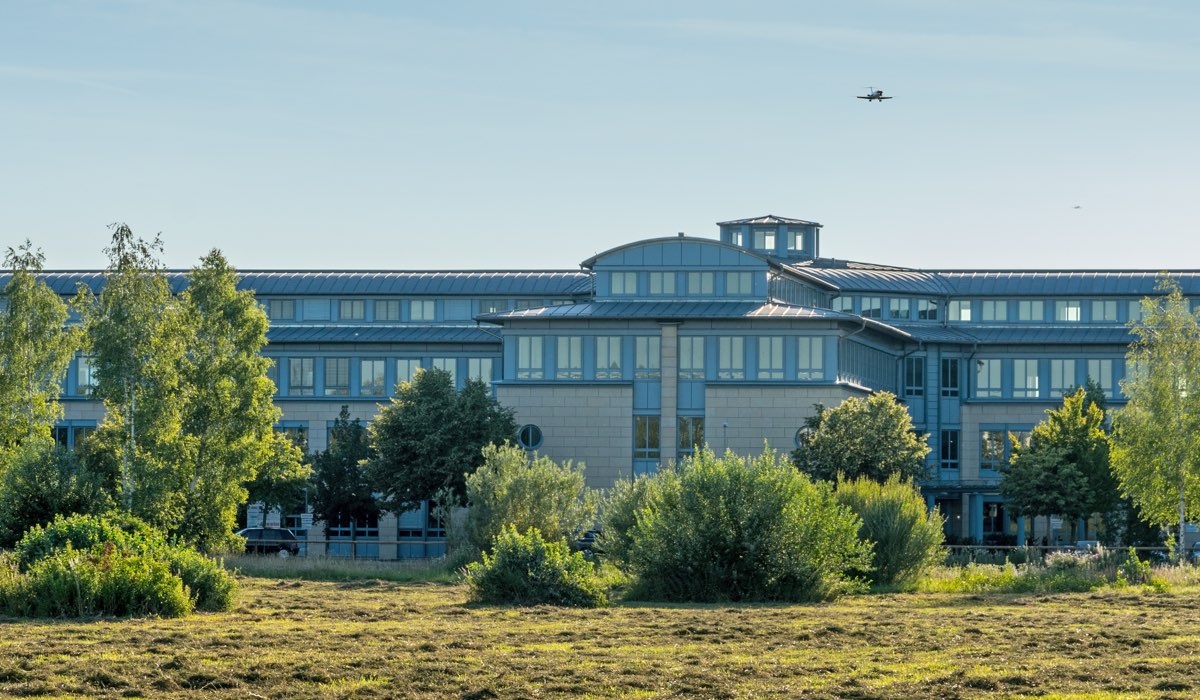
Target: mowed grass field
[[377, 639]]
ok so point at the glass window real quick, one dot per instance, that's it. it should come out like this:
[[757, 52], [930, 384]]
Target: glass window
[[1025, 379], [647, 356], [949, 449], [529, 436], [691, 358], [387, 310], [1062, 377], [770, 357], [480, 368], [1067, 311], [493, 306], [623, 283], [300, 376], [899, 309], [1031, 310], [700, 283], [950, 376], [352, 309], [960, 310], [1135, 310], [764, 239], [272, 373], [1104, 311], [337, 376], [281, 309], [993, 310], [662, 282], [987, 378], [406, 369], [529, 357], [1102, 372], [646, 437], [927, 309], [843, 304], [914, 376], [991, 449], [371, 378], [298, 434], [872, 307], [569, 357], [738, 283], [795, 240], [608, 357], [691, 434], [448, 365], [731, 357], [85, 371], [810, 358], [421, 310], [519, 304]]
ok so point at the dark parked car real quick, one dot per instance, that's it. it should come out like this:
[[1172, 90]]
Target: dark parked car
[[270, 540]]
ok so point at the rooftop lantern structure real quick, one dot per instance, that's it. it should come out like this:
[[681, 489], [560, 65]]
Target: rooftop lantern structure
[[775, 236]]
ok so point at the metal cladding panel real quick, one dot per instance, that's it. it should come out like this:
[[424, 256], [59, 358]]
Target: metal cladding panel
[[1064, 283], [671, 309], [895, 281], [326, 333], [1056, 335], [768, 219], [934, 333]]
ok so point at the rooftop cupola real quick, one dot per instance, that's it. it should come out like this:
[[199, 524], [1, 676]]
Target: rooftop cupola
[[776, 236]]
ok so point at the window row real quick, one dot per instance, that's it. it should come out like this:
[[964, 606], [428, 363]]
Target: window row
[[993, 310], [995, 446], [766, 239], [346, 376], [898, 308], [396, 310], [612, 357], [1022, 378], [670, 283]]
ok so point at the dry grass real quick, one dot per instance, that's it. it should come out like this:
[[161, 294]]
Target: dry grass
[[372, 639]]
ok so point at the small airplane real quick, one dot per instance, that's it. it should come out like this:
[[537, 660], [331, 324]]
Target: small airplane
[[873, 94]]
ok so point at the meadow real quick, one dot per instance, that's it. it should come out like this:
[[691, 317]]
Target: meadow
[[371, 638]]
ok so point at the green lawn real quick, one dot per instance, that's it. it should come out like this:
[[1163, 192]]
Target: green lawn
[[300, 639]]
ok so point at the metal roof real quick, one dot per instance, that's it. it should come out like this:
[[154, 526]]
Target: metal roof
[[882, 281], [1052, 335], [768, 219], [366, 282], [1063, 282], [671, 309], [374, 333]]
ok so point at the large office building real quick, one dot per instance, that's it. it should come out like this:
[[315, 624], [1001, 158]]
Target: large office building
[[653, 347]]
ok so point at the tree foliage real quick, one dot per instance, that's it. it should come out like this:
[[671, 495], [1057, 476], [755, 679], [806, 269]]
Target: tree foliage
[[343, 488], [871, 437], [282, 480], [1065, 468], [906, 538], [39, 481], [429, 436]]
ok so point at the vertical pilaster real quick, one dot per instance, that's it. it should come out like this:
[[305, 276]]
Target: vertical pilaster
[[670, 392]]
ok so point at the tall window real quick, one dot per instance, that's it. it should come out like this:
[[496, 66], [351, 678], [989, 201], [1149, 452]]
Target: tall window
[[993, 310], [623, 283], [927, 309], [764, 239], [949, 450], [352, 309], [795, 240], [646, 431], [770, 358], [987, 378], [960, 310], [1135, 310], [662, 282], [480, 368], [568, 358], [899, 309], [647, 357], [1062, 377], [991, 449], [872, 307], [810, 358], [85, 375], [1104, 311], [691, 357], [281, 309], [529, 357], [337, 376], [406, 369], [300, 376], [1102, 372], [1068, 311], [421, 310], [914, 376], [731, 357], [448, 365], [843, 304], [950, 376], [387, 310], [700, 283], [371, 378], [738, 283], [1031, 310], [691, 434], [608, 357], [272, 374], [1025, 379]]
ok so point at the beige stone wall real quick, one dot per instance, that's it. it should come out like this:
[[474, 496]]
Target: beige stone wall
[[585, 423], [755, 413]]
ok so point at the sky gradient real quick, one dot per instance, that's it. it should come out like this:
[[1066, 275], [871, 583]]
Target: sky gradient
[[387, 135]]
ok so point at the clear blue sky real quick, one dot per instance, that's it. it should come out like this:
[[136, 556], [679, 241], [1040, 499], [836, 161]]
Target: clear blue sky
[[534, 134]]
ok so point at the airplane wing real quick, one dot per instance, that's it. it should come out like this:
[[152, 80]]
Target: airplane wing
[[883, 98], [862, 97]]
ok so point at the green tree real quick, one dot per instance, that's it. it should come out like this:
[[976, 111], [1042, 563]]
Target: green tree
[[871, 437], [1065, 468], [135, 332], [343, 489], [429, 436], [40, 481], [906, 538], [1156, 435], [36, 348], [282, 480]]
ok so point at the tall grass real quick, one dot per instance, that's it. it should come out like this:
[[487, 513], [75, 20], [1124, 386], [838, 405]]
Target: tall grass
[[333, 569]]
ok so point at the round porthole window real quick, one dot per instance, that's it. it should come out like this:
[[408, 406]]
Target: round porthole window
[[801, 435], [529, 436]]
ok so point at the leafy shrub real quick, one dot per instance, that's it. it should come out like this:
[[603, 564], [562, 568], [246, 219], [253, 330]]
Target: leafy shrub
[[39, 481], [906, 539], [513, 489], [618, 515], [210, 587], [84, 532], [729, 528], [525, 569]]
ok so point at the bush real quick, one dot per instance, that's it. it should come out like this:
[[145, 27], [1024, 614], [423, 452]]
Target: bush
[[40, 481], [906, 539], [525, 569], [513, 489], [618, 515], [210, 587], [728, 528], [84, 532]]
